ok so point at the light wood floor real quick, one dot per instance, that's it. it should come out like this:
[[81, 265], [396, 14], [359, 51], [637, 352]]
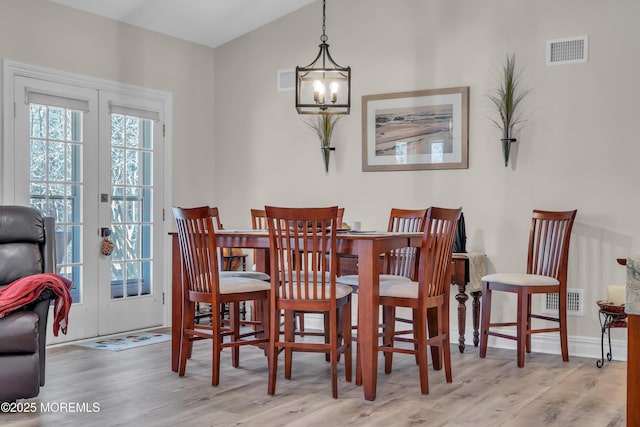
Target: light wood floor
[[137, 387]]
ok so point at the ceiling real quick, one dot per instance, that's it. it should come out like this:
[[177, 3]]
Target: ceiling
[[207, 22]]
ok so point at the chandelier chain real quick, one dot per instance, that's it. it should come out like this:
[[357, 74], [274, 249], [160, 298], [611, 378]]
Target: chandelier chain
[[324, 37]]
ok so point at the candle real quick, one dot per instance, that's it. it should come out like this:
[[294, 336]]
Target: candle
[[334, 91], [616, 294], [318, 92]]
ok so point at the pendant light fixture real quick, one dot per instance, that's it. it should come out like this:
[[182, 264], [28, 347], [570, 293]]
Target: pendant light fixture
[[323, 87]]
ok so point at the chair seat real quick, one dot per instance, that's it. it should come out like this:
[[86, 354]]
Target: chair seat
[[232, 285], [244, 274], [341, 291], [352, 279], [520, 279], [399, 288]]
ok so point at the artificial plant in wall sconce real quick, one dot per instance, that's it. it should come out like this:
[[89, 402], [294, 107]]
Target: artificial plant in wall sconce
[[323, 125], [506, 99]]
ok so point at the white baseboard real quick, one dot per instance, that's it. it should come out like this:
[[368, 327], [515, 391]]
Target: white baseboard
[[550, 343]]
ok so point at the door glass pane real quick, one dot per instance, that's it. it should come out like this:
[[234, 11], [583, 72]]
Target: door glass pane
[[131, 206], [55, 183]]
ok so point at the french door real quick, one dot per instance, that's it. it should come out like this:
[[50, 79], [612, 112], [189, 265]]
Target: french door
[[93, 159]]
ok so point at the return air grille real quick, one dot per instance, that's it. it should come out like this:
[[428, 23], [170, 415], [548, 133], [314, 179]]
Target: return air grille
[[551, 303], [286, 80], [571, 50]]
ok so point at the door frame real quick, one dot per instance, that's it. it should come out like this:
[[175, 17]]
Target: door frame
[[13, 69]]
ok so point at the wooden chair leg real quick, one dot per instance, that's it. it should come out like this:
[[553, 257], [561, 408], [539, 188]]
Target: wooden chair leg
[[446, 343], [388, 334], [300, 317], [420, 334], [189, 312], [234, 323], [216, 339], [265, 320], [346, 335], [333, 353], [521, 333], [288, 337], [327, 338], [415, 343], [272, 356], [433, 322], [564, 341], [185, 344], [528, 336], [188, 322], [485, 319]]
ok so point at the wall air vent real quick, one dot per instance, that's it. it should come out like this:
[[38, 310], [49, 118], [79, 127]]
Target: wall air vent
[[571, 50], [286, 80], [551, 303]]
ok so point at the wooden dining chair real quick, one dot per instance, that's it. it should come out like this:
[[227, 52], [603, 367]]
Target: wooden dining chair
[[429, 292], [259, 222], [205, 312], [547, 260], [233, 273], [203, 284], [303, 279], [398, 264]]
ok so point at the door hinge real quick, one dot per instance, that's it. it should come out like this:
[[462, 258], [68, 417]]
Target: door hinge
[[163, 214], [163, 298], [164, 130]]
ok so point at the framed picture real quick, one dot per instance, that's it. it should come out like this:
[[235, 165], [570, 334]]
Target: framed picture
[[425, 129]]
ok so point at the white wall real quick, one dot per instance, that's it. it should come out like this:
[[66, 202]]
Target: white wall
[[46, 34], [579, 148]]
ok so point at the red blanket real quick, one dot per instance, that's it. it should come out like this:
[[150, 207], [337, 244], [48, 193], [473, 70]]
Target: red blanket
[[27, 290]]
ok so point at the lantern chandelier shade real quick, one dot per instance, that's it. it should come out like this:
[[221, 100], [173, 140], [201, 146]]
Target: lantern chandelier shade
[[323, 87]]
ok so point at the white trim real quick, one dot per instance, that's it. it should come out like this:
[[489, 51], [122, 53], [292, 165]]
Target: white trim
[[12, 68], [579, 346]]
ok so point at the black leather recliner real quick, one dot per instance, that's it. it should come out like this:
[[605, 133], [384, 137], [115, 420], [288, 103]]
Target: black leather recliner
[[27, 246]]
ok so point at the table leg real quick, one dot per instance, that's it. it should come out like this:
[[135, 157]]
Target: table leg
[[462, 298], [368, 301], [476, 316]]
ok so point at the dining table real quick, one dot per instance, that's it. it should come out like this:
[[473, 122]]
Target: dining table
[[366, 245]]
